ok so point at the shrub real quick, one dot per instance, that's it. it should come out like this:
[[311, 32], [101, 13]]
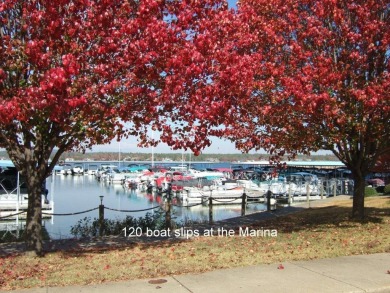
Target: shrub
[[369, 191], [90, 228], [380, 189], [386, 189]]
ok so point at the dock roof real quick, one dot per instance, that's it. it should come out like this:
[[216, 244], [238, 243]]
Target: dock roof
[[296, 163]]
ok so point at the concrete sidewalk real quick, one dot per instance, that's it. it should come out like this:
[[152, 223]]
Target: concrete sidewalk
[[361, 273]]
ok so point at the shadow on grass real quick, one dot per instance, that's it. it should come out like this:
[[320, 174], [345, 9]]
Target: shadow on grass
[[79, 247], [82, 247], [322, 218]]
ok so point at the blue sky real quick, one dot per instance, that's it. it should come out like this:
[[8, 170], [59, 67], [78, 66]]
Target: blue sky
[[232, 3]]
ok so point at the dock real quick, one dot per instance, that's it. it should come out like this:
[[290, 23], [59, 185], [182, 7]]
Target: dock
[[11, 211]]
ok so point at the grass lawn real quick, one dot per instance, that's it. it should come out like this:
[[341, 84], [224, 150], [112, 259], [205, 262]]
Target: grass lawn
[[322, 232]]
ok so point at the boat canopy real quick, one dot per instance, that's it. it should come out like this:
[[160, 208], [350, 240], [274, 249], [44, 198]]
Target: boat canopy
[[6, 163]]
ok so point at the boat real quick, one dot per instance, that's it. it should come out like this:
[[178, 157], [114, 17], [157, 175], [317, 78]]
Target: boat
[[170, 180], [221, 195], [78, 169], [101, 173], [91, 169], [191, 196], [303, 189], [64, 169], [208, 174], [275, 186], [132, 180], [218, 194], [115, 176], [14, 196]]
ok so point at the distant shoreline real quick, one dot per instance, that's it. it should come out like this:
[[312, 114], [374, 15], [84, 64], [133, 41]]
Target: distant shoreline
[[175, 157]]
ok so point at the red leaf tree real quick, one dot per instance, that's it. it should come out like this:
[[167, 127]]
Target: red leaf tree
[[322, 82], [73, 72]]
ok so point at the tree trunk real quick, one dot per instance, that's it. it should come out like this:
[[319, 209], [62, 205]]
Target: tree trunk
[[33, 232], [33, 165], [358, 197]]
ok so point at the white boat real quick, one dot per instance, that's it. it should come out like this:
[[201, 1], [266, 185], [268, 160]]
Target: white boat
[[281, 188], [133, 181], [275, 186], [66, 169], [218, 194], [179, 168], [92, 169], [14, 197], [303, 183], [101, 172], [78, 169], [191, 196], [208, 174], [248, 184], [300, 198], [221, 195], [114, 176]]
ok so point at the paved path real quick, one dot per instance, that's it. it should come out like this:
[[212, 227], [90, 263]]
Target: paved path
[[361, 273]]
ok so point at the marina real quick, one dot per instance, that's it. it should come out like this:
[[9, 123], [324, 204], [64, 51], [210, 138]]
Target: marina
[[135, 189]]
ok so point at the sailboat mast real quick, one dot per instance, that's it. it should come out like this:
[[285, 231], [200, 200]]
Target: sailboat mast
[[119, 155], [152, 150]]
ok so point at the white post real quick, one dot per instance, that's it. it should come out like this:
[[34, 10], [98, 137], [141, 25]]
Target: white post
[[308, 193], [152, 149], [119, 155], [52, 196], [18, 198]]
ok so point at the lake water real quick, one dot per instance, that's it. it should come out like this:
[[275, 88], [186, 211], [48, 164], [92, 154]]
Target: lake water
[[73, 194]]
